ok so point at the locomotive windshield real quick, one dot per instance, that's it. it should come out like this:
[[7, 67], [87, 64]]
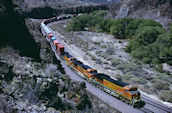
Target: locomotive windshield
[[133, 91], [93, 72]]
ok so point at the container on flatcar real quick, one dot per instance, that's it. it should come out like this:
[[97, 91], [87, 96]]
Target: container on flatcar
[[55, 42], [60, 48], [60, 18], [74, 15], [68, 16], [50, 35], [53, 38]]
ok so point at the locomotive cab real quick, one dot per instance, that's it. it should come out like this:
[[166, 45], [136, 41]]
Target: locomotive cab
[[92, 72], [132, 92], [71, 59]]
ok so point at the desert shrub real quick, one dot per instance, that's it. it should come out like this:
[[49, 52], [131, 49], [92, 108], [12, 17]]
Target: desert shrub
[[164, 77], [127, 67], [110, 50], [134, 79], [96, 43], [138, 80], [118, 77], [128, 76], [115, 61], [98, 52], [159, 68], [166, 95], [104, 55], [93, 57], [160, 85]]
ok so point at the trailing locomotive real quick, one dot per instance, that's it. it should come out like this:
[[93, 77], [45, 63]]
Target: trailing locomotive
[[116, 88]]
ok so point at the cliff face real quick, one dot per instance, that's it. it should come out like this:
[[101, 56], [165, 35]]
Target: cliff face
[[158, 10], [14, 32]]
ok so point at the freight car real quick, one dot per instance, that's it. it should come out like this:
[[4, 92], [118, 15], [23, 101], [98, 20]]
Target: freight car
[[119, 89]]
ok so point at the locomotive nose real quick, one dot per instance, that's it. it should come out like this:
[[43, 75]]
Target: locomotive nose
[[136, 95]]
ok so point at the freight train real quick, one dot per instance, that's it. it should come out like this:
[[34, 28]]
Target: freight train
[[123, 91]]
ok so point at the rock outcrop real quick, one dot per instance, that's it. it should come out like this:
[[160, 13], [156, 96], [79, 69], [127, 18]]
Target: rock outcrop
[[159, 11], [36, 87]]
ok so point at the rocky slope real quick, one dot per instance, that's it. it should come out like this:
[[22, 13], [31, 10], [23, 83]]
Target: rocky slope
[[28, 5], [30, 86], [101, 1], [158, 10]]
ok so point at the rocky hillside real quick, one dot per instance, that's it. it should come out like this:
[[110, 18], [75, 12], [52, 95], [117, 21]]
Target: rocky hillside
[[28, 5], [101, 1], [158, 10]]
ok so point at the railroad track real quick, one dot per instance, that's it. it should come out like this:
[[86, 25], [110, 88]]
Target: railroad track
[[157, 105], [146, 110]]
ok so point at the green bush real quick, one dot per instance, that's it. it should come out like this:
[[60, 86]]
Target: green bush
[[119, 26], [145, 36], [78, 23], [138, 23], [166, 95], [146, 60], [132, 27], [100, 13], [105, 25]]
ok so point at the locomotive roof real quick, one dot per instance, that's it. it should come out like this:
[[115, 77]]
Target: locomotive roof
[[86, 67], [82, 65], [59, 45], [77, 62], [68, 55], [120, 83], [55, 41], [101, 76]]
